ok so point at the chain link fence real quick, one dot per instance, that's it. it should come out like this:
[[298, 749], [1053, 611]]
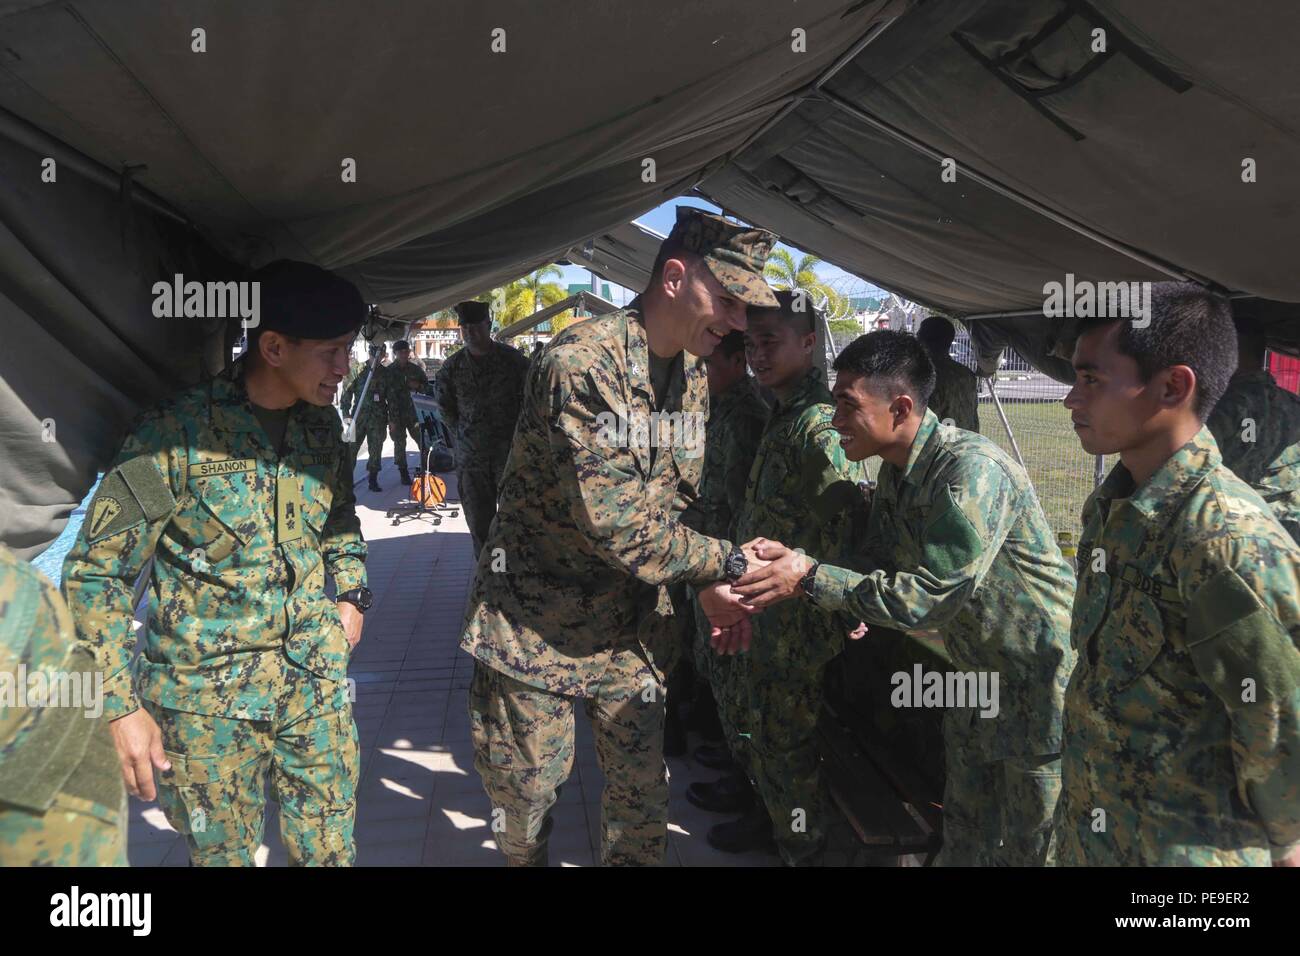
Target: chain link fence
[[1062, 472]]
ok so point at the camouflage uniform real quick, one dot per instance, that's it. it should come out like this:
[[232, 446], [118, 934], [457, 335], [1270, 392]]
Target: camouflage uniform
[[736, 419], [588, 532], [370, 418], [479, 399], [959, 543], [588, 528], [803, 492], [62, 801], [1182, 719], [1257, 427], [402, 419], [245, 657], [956, 393]]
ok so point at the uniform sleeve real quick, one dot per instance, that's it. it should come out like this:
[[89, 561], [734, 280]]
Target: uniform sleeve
[[1242, 634], [601, 480], [342, 546], [968, 519], [447, 397], [132, 507]]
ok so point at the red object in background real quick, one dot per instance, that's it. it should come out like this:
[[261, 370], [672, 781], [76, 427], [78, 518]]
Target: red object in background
[[1286, 371]]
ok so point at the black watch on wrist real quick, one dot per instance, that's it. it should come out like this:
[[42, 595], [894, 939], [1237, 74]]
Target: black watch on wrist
[[807, 581], [361, 598], [735, 566]]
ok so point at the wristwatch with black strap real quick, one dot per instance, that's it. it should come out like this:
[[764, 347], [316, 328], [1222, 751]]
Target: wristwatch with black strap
[[361, 598], [734, 568], [809, 579]]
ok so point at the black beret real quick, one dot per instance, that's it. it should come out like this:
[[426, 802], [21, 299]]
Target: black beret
[[471, 312], [307, 302], [401, 345]]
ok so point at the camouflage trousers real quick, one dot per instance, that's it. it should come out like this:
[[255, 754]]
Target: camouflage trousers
[[477, 481], [373, 437], [999, 813], [523, 751], [398, 430], [727, 678], [215, 792], [784, 706]]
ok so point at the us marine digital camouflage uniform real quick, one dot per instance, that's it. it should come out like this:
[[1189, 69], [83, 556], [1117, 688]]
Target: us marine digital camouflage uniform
[[959, 543], [956, 393], [62, 801], [1182, 719], [736, 420], [399, 381], [1257, 427], [370, 418], [803, 492], [244, 657], [589, 534], [480, 399]]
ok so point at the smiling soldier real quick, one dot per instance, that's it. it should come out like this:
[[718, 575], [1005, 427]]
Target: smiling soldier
[[237, 490]]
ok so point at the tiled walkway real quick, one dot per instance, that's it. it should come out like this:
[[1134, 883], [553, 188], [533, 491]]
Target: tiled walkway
[[421, 802]]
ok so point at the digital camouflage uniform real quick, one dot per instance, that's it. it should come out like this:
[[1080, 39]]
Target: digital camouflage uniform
[[803, 492], [400, 380], [62, 801], [1257, 427], [1182, 719], [371, 418], [956, 393], [244, 656], [480, 399], [588, 529], [958, 542], [736, 419]]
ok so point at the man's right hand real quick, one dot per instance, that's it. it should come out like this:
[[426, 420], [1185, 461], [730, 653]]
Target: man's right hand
[[139, 749]]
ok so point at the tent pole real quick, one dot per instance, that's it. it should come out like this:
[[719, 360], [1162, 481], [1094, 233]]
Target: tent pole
[[997, 403], [911, 141]]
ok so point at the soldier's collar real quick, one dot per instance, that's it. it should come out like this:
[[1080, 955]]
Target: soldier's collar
[[813, 381], [1161, 497], [231, 409], [637, 348], [924, 447]]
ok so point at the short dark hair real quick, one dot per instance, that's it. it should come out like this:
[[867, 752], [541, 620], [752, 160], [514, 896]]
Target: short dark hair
[[896, 360], [732, 342], [937, 333], [795, 306], [1189, 325], [669, 250]]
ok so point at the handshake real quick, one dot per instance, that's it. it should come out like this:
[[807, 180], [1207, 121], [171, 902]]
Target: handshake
[[775, 574]]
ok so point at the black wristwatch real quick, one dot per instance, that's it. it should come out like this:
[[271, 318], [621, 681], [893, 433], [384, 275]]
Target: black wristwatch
[[734, 568], [808, 580], [361, 598]]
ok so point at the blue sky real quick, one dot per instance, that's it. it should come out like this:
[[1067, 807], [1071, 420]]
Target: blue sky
[[661, 220]]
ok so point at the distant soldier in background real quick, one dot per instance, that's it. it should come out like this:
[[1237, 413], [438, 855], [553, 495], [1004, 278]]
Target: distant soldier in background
[[62, 800], [370, 417], [1257, 426], [956, 389], [480, 392], [404, 377]]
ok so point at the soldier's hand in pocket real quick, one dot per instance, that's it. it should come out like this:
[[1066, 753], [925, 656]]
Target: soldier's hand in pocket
[[352, 620], [139, 749]]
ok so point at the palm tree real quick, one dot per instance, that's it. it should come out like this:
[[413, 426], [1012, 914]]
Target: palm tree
[[526, 295], [785, 273]]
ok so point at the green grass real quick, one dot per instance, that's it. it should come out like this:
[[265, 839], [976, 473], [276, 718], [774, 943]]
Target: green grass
[[1062, 472]]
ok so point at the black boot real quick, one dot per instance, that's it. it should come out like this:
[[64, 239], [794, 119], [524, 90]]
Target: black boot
[[751, 832], [714, 756], [729, 794], [374, 481]]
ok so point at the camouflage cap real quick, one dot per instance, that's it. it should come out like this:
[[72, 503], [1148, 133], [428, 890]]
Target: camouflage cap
[[735, 254]]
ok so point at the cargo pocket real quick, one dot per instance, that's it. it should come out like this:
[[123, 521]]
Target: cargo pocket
[[1135, 645], [205, 539], [216, 801]]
